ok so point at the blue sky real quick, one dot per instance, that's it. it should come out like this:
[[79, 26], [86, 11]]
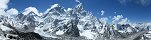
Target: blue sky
[[134, 10]]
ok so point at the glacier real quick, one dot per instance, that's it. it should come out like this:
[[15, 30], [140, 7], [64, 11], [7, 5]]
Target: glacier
[[58, 23]]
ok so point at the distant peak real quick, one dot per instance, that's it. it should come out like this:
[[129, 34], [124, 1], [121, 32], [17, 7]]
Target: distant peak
[[54, 6]]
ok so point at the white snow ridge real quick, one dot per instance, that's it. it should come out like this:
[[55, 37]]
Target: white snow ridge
[[58, 23]]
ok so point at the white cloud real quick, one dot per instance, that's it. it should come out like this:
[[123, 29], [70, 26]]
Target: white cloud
[[104, 20], [31, 9], [141, 2], [145, 2], [116, 19], [12, 11], [102, 12], [3, 6], [119, 20], [123, 1], [124, 21]]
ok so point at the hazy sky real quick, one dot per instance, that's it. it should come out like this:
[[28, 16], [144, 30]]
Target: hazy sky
[[134, 10]]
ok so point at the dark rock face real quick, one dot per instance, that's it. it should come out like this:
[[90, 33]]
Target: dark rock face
[[30, 35], [25, 36], [123, 26], [73, 30]]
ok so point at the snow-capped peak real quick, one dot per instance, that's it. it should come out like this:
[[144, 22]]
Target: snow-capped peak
[[31, 10], [54, 6], [58, 22]]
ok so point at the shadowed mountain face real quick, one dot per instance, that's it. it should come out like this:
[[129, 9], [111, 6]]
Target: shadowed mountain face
[[73, 30], [74, 23]]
